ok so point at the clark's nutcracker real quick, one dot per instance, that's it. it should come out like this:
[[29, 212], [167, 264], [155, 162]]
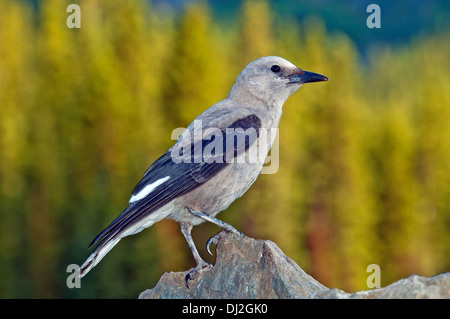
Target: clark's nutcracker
[[215, 160]]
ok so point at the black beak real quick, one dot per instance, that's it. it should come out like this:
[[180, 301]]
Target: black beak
[[300, 76]]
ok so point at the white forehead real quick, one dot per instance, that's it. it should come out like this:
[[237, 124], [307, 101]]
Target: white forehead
[[272, 60]]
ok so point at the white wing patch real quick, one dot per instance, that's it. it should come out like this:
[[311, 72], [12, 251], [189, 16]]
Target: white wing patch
[[148, 189]]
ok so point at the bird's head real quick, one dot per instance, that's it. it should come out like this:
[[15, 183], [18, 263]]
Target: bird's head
[[272, 78]]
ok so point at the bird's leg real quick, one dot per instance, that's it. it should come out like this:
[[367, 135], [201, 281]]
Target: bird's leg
[[186, 231], [225, 227]]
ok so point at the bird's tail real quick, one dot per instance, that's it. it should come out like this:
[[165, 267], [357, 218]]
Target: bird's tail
[[96, 256], [132, 220]]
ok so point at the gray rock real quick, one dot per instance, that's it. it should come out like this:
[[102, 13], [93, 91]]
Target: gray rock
[[248, 268], [244, 268], [413, 287]]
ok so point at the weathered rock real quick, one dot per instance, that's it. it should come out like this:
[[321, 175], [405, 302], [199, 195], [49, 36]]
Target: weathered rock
[[413, 287], [244, 268], [248, 268]]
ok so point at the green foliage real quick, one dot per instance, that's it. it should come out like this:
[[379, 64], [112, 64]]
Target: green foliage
[[363, 178]]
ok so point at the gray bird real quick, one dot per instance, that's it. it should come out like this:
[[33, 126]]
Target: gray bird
[[215, 160]]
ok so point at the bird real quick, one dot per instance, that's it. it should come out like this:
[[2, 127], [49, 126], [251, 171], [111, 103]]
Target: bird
[[214, 161]]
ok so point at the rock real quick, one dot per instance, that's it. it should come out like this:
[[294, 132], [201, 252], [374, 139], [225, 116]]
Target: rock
[[244, 268], [413, 287], [247, 268]]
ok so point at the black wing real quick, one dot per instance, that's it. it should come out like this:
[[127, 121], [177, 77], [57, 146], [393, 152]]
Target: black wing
[[184, 176]]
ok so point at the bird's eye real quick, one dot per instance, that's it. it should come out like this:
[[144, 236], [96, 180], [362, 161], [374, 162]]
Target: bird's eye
[[275, 68]]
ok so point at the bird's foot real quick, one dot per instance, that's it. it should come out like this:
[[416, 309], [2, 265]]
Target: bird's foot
[[215, 239], [225, 227], [193, 273]]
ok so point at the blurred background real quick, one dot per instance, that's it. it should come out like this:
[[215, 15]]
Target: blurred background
[[364, 174]]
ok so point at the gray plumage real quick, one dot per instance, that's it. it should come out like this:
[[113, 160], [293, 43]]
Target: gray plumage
[[201, 175]]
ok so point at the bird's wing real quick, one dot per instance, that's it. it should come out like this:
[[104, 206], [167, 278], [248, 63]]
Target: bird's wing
[[167, 179]]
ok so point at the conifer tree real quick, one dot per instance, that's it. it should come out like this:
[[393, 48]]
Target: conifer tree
[[16, 93]]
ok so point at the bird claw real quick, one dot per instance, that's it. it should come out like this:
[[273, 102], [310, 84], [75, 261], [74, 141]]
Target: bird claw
[[225, 227], [215, 239], [192, 274]]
